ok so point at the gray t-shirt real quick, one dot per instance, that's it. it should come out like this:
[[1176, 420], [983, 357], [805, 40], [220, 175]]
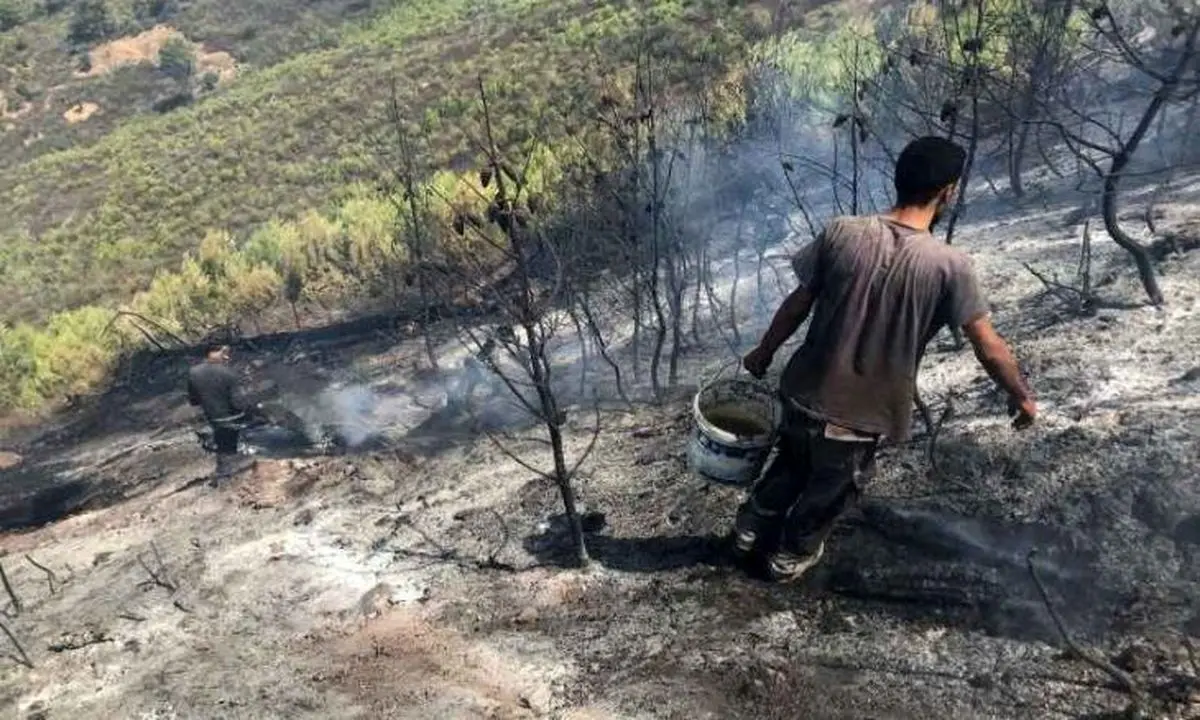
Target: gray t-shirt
[[882, 291]]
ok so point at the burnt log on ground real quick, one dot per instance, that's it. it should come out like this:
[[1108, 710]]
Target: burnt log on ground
[[968, 567]]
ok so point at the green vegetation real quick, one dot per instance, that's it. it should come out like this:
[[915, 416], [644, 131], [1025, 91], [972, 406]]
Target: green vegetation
[[295, 136], [95, 225], [91, 22], [177, 60], [274, 199]]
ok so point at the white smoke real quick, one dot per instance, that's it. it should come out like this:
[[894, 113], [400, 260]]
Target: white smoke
[[351, 412]]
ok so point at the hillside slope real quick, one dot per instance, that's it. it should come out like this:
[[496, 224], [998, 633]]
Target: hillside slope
[[422, 580], [294, 127]]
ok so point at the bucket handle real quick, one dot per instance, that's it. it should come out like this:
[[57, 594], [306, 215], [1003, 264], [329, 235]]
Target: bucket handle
[[735, 363]]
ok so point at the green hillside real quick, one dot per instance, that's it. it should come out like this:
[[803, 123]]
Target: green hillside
[[209, 163], [281, 138]]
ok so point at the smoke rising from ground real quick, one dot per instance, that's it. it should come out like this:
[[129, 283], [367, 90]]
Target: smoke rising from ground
[[735, 211]]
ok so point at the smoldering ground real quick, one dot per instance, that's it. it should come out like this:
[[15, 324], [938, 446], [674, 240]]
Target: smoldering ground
[[368, 591]]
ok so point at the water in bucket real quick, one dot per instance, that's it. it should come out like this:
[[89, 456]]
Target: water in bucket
[[736, 424], [736, 420]]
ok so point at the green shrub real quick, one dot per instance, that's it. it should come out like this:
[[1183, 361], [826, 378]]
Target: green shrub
[[71, 355], [90, 23], [177, 59], [149, 12], [12, 14]]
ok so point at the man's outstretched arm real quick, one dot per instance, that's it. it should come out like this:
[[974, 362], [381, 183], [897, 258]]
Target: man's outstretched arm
[[788, 318], [996, 357]]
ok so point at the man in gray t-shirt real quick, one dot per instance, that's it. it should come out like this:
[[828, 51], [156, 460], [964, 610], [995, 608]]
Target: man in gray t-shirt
[[878, 289]]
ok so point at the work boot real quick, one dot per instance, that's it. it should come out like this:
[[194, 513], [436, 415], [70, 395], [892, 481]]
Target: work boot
[[785, 567], [743, 541]]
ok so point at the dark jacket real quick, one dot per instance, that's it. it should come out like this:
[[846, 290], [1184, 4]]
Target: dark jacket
[[214, 387]]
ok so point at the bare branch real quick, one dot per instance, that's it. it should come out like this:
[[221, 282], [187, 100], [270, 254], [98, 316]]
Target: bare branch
[[935, 471], [511, 455], [154, 323], [157, 577], [16, 602], [79, 641], [587, 451], [22, 656], [1113, 34], [1124, 679], [1076, 299], [50, 576]]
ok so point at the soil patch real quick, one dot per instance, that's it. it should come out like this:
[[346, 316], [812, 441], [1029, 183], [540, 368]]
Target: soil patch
[[81, 112], [145, 47]]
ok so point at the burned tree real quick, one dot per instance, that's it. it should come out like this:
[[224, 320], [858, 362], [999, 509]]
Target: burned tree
[[1038, 36], [404, 189], [969, 84], [1173, 71], [517, 274]]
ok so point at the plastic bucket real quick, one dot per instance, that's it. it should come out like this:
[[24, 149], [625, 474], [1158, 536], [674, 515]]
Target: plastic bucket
[[737, 421]]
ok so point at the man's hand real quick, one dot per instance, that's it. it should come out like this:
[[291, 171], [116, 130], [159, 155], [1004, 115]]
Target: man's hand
[[1023, 411], [757, 361], [996, 357], [788, 318]]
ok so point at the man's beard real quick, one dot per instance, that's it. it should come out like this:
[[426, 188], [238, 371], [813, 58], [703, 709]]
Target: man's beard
[[938, 214]]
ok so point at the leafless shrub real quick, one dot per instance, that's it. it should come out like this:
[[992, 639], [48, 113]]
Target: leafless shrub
[[51, 578], [525, 295], [22, 657], [1105, 147], [8, 588], [1077, 297], [158, 574], [414, 227]]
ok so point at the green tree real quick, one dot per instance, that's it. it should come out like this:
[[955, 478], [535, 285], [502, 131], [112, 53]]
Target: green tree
[[11, 14], [91, 22], [177, 59], [151, 11]]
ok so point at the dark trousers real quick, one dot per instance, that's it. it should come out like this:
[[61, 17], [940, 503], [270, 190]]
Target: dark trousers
[[812, 480], [225, 439]]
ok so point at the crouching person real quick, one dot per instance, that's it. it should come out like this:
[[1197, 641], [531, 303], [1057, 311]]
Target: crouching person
[[878, 289]]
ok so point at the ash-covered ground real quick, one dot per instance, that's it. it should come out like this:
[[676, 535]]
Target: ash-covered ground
[[423, 578]]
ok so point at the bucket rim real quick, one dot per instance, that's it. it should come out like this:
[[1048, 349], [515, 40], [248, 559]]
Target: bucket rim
[[728, 438]]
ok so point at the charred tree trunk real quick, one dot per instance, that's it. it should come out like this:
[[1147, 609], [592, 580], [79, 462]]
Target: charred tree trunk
[[676, 306], [701, 253], [972, 78], [553, 418], [602, 347], [656, 236], [1112, 179], [857, 124], [1042, 71], [1016, 160]]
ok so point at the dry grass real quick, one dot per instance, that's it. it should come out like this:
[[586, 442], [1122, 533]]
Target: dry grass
[[145, 47], [81, 112]]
